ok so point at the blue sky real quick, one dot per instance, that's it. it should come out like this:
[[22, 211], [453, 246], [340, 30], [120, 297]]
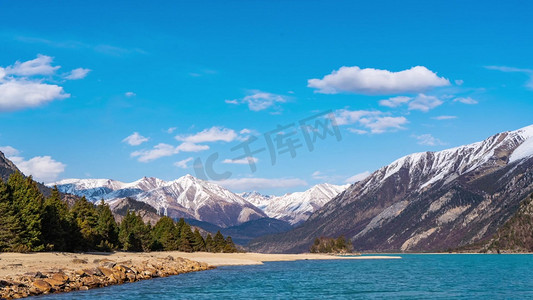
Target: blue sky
[[194, 78]]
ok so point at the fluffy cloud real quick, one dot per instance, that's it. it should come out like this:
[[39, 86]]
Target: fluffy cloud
[[384, 124], [20, 93], [130, 94], [190, 143], [440, 118], [358, 177], [135, 139], [528, 72], [213, 134], [183, 164], [395, 101], [164, 150], [42, 168], [421, 102], [171, 130], [159, 150], [259, 100], [21, 87], [191, 147], [42, 65], [78, 73], [243, 161], [424, 103], [376, 121], [377, 82], [250, 184], [428, 140], [466, 100]]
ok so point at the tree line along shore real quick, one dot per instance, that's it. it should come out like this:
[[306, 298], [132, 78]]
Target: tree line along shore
[[30, 222]]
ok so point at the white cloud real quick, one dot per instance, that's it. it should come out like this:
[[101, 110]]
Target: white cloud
[[78, 73], [42, 168], [466, 100], [428, 140], [191, 147], [395, 101], [345, 117], [171, 130], [135, 139], [358, 177], [377, 82], [357, 131], [130, 94], [159, 150], [243, 161], [424, 103], [440, 118], [22, 84], [528, 72], [459, 82], [251, 184], [20, 93], [183, 163], [9, 151], [42, 65], [259, 100], [213, 134], [384, 124], [376, 121]]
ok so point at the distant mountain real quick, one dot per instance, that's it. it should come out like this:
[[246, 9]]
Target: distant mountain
[[295, 207], [427, 201], [187, 197], [245, 232], [259, 200]]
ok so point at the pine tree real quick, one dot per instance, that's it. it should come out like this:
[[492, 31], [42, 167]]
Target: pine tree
[[28, 207], [134, 235], [230, 246], [9, 225], [209, 243], [165, 234], [186, 238], [86, 219], [198, 241], [55, 222], [219, 242], [106, 228]]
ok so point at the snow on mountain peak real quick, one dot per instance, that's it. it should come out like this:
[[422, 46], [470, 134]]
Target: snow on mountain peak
[[431, 167]]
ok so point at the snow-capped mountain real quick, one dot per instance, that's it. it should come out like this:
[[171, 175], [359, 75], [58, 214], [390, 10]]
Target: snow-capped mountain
[[295, 207], [259, 200], [426, 201], [186, 197]]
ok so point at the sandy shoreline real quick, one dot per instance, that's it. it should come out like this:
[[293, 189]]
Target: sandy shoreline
[[19, 263]]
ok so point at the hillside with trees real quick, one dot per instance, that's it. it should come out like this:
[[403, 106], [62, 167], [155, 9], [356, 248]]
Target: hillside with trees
[[330, 245], [31, 222]]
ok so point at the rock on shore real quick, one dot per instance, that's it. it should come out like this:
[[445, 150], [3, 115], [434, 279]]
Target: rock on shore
[[107, 273]]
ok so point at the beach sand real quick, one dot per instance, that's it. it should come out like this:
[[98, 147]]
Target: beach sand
[[18, 263]]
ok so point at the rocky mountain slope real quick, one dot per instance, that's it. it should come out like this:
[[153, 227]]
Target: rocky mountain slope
[[427, 201], [516, 235], [6, 167], [295, 207], [187, 197]]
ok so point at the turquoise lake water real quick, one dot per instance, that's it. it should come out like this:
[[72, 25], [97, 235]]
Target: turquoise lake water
[[412, 277]]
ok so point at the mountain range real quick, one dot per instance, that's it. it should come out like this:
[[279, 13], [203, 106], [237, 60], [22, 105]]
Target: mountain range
[[430, 201], [194, 199], [296, 207]]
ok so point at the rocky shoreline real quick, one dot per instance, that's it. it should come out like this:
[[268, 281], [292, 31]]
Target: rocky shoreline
[[106, 273]]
